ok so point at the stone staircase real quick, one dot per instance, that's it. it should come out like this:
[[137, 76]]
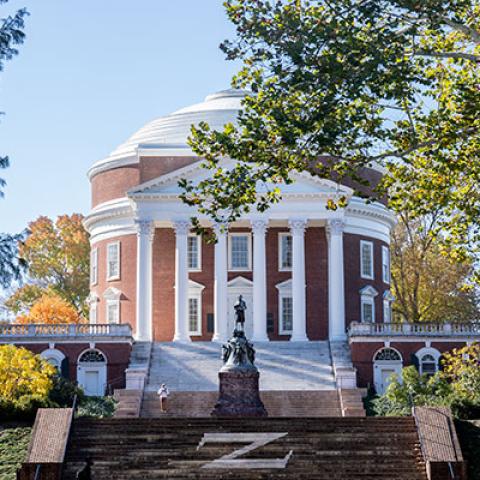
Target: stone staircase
[[283, 366], [293, 403], [286, 448]]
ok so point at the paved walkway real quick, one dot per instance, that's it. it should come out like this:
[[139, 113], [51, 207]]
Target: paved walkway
[[282, 365]]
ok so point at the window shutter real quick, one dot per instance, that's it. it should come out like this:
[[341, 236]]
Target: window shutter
[[270, 326], [210, 323], [414, 361]]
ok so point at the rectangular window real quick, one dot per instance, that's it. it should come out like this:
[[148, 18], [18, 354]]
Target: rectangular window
[[93, 313], [239, 252], [194, 316], [285, 251], [94, 266], [366, 259], [387, 311], [286, 315], [113, 261], [368, 310], [113, 311], [193, 252], [386, 264]]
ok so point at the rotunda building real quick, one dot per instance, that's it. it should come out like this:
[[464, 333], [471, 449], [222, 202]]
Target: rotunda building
[[305, 272]]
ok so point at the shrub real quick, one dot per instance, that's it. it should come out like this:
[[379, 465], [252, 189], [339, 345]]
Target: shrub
[[63, 392], [13, 447], [25, 381], [97, 407], [457, 387]]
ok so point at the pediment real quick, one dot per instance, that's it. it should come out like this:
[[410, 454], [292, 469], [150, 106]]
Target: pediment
[[304, 183], [285, 286], [368, 291], [240, 282]]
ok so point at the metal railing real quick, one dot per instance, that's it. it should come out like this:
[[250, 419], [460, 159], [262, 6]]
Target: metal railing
[[414, 329], [64, 330]]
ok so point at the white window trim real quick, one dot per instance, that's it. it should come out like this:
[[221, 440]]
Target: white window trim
[[427, 351], [362, 275], [284, 290], [367, 301], [109, 276], [199, 250], [94, 261], [93, 308], [367, 296], [249, 253], [195, 290], [386, 262], [116, 303], [280, 244], [387, 307]]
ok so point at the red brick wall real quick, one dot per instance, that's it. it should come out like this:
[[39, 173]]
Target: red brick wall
[[163, 309], [127, 283], [353, 280], [117, 355], [114, 183], [363, 353], [153, 167]]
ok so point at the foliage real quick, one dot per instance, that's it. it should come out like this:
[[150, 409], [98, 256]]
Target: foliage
[[11, 35], [25, 380], [58, 257], [23, 299], [64, 391], [337, 86], [12, 265], [97, 407], [456, 386], [13, 448], [428, 285], [51, 310]]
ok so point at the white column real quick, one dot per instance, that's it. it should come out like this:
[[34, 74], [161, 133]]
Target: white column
[[145, 233], [220, 285], [297, 229], [182, 228], [336, 285], [259, 228]]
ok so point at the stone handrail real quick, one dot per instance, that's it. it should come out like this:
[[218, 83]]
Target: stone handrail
[[62, 330], [358, 329]]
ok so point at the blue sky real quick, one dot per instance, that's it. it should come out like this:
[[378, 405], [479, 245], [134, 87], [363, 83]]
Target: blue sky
[[90, 74]]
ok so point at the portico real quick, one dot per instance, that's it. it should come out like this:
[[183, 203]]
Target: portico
[[257, 228]]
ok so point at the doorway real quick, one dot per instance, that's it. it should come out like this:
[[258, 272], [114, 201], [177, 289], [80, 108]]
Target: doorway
[[236, 287]]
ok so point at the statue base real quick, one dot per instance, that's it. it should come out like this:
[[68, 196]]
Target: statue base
[[239, 394]]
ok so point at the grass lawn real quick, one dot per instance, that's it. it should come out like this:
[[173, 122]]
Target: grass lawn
[[13, 447]]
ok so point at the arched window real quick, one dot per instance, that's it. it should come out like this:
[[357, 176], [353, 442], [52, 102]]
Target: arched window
[[91, 356], [53, 357], [428, 361], [388, 354]]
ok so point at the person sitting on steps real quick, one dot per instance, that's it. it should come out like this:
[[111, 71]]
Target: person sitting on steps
[[163, 395]]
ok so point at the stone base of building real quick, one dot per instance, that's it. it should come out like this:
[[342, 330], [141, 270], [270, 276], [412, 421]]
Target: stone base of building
[[239, 395]]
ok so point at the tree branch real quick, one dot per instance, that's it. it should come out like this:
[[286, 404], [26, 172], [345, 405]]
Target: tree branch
[[466, 56]]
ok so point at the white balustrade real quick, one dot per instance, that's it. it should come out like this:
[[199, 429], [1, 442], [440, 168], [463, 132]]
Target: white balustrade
[[67, 331], [359, 329]]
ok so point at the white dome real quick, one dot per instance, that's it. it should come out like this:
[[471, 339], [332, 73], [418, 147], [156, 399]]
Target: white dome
[[173, 130]]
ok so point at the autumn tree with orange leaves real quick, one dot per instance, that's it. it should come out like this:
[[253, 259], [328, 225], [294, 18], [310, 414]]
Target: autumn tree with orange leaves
[[57, 255], [51, 310]]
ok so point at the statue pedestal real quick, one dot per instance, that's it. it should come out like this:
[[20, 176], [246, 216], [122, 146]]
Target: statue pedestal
[[239, 394]]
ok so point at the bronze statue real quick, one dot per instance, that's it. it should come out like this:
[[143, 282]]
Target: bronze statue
[[240, 307]]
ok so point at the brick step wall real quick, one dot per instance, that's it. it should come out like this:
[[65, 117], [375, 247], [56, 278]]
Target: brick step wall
[[321, 448], [278, 404]]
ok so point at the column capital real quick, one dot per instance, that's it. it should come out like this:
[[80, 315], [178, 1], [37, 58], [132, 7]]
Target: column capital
[[145, 227], [336, 226], [259, 226], [297, 225], [182, 226]]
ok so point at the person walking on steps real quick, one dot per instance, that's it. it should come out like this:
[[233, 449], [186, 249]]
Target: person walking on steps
[[163, 395]]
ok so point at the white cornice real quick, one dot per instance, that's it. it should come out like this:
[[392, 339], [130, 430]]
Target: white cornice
[[119, 207]]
